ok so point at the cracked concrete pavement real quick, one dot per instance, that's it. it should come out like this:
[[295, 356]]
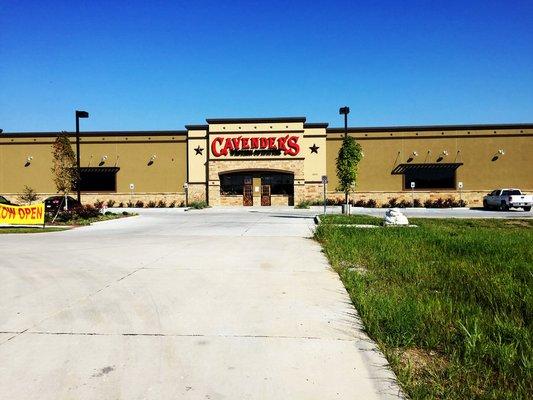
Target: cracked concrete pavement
[[211, 304]]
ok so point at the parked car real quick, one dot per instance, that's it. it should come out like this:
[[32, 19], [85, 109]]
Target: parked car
[[5, 201], [51, 204], [503, 199]]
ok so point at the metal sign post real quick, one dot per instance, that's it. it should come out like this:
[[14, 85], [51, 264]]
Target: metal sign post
[[186, 188], [460, 186], [413, 193], [324, 183]]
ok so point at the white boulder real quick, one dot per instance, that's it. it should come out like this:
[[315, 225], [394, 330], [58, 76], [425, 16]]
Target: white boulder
[[393, 216]]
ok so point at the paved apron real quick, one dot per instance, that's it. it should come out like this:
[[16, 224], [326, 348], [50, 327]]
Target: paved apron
[[216, 304]]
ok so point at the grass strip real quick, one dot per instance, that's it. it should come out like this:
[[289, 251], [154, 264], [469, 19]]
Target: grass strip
[[450, 303], [14, 229]]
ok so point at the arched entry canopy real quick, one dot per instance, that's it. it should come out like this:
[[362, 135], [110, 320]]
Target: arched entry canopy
[[258, 186]]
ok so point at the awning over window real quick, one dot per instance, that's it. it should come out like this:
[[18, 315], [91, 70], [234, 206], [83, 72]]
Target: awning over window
[[99, 170], [404, 168]]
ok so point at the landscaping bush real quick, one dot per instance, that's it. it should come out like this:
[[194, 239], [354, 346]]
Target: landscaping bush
[[130, 204], [139, 204], [371, 203], [99, 204], [182, 204], [161, 204], [85, 211], [302, 205], [151, 204], [121, 204], [110, 203], [444, 203], [198, 205], [417, 203], [359, 203], [404, 203], [125, 213], [172, 204]]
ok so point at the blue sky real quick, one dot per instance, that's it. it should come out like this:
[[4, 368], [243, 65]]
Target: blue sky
[[141, 65]]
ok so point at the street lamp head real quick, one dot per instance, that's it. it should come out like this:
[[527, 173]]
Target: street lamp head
[[82, 114], [344, 110]]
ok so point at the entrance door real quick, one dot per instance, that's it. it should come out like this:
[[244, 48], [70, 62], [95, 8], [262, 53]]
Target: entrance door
[[265, 195], [247, 196]]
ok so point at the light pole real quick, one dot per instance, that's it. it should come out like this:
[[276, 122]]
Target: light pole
[[345, 111], [79, 114]]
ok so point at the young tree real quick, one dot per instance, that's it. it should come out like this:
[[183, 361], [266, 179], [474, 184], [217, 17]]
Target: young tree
[[28, 195], [64, 171], [349, 156]]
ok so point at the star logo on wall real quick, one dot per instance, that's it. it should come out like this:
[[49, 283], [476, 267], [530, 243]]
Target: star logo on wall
[[198, 150], [314, 148]]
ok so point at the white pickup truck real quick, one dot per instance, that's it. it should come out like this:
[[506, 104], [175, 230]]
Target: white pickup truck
[[503, 199]]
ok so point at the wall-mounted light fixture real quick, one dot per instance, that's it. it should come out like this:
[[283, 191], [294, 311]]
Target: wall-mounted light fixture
[[445, 153], [102, 160], [28, 161], [500, 152], [415, 153], [152, 159]]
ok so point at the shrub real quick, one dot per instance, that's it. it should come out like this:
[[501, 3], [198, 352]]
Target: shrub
[[28, 195], [198, 205], [385, 205], [85, 212], [125, 213], [360, 203], [417, 203], [371, 203], [139, 204], [108, 213], [172, 204], [404, 203], [302, 205], [428, 203], [151, 204], [99, 204], [121, 204], [110, 203], [182, 204], [460, 203], [161, 204], [393, 202], [130, 204]]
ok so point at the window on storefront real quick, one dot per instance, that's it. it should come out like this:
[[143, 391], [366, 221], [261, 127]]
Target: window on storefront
[[231, 184], [98, 179], [430, 176], [279, 183]]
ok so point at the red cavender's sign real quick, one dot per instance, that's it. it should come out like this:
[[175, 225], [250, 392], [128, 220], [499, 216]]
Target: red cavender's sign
[[287, 145]]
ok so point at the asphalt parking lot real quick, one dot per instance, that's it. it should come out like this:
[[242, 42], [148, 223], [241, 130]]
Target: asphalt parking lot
[[211, 304]]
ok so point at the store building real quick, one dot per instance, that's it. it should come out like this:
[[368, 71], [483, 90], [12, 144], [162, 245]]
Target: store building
[[276, 161]]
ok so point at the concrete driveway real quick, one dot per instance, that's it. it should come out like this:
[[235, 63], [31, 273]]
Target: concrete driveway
[[212, 304]]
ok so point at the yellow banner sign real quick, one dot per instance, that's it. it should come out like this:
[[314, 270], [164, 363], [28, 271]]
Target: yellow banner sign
[[22, 215]]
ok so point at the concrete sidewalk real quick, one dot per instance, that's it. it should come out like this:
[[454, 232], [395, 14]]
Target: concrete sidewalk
[[233, 304]]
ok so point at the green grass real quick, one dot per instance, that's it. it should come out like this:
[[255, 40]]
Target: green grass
[[14, 229], [450, 303], [350, 220]]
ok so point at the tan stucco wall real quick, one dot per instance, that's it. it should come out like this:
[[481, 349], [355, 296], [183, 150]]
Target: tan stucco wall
[[166, 174], [384, 150]]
